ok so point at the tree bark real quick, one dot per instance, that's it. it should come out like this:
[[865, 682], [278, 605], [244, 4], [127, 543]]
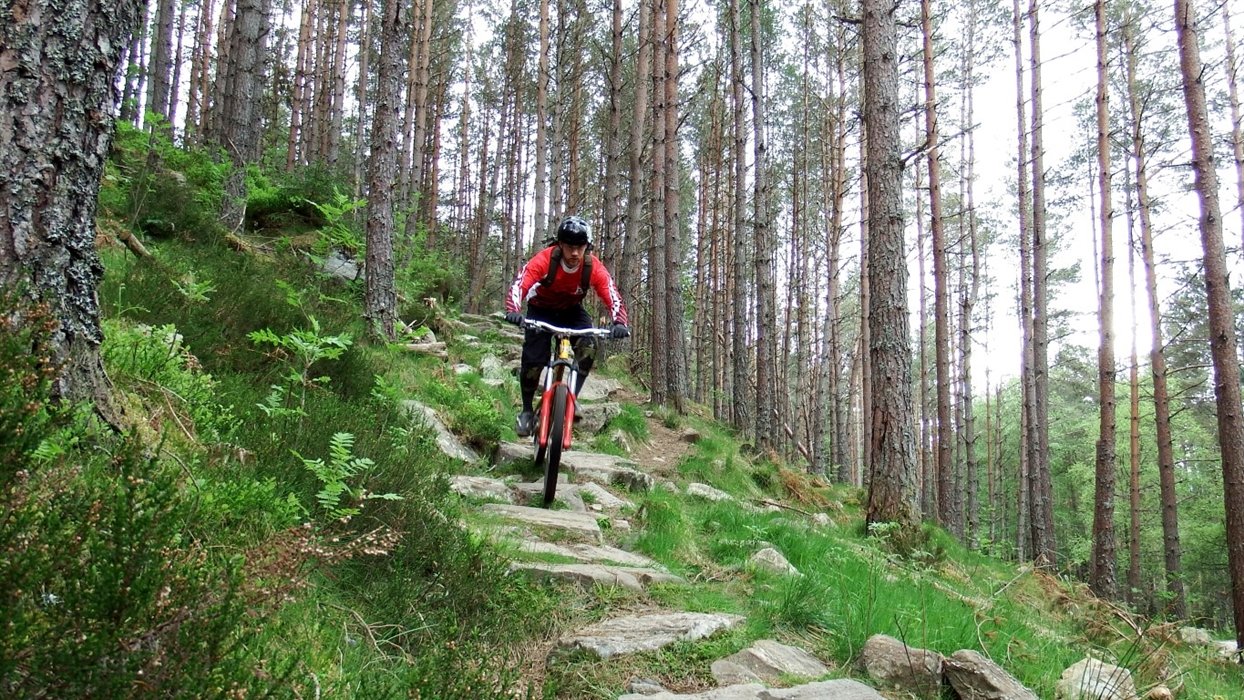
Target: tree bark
[[1023, 511], [240, 89], [675, 345], [941, 296], [1102, 576], [380, 296], [51, 162], [1223, 343], [1042, 501], [766, 310], [1171, 546], [891, 445], [740, 336]]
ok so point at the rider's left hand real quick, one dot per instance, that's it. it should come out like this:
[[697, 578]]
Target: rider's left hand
[[619, 331]]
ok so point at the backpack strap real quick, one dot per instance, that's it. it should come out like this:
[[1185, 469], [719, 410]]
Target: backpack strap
[[555, 261]]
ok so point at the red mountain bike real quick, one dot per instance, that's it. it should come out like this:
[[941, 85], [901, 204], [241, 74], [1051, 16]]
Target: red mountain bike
[[555, 414]]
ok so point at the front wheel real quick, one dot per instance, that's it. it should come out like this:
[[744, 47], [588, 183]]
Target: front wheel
[[557, 429]]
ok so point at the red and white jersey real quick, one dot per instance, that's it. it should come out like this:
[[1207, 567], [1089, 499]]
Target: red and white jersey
[[566, 290]]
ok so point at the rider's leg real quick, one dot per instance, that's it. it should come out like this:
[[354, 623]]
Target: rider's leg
[[584, 348], [535, 356]]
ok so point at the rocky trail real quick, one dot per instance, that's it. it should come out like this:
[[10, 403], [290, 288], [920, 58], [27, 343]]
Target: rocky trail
[[586, 540]]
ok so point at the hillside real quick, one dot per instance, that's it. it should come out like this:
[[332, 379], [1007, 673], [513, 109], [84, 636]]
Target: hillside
[[285, 527]]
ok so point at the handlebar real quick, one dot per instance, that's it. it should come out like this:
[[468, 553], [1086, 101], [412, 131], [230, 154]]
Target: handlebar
[[567, 332]]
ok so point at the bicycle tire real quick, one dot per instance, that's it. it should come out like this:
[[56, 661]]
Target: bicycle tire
[[557, 428]]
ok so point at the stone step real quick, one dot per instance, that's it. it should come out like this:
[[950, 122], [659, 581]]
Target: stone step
[[590, 554], [580, 525], [603, 469], [841, 689], [589, 575], [767, 661], [635, 633]]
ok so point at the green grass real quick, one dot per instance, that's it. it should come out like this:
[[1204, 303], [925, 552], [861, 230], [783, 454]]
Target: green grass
[[438, 615]]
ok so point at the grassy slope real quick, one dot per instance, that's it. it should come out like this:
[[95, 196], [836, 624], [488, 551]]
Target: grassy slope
[[437, 613]]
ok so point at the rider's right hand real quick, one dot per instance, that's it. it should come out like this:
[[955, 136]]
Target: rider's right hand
[[514, 317]]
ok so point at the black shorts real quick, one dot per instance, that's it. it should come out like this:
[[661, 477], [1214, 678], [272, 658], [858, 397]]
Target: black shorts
[[536, 344]]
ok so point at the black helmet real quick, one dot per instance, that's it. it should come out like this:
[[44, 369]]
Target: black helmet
[[574, 230]]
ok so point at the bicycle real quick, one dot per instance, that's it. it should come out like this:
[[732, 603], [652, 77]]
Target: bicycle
[[555, 414]]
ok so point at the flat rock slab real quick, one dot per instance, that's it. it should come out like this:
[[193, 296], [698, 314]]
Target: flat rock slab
[[602, 497], [445, 440], [636, 633], [590, 418], [576, 524], [567, 493], [770, 661], [707, 492], [599, 388], [591, 554], [481, 487], [841, 689], [603, 469], [589, 575]]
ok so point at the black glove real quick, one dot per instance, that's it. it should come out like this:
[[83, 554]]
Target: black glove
[[514, 317], [619, 331]]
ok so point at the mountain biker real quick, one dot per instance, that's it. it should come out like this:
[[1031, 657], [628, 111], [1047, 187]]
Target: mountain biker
[[554, 283]]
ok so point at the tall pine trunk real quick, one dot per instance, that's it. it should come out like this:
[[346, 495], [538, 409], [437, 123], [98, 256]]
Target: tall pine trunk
[[891, 442], [1224, 348], [1172, 549], [380, 297], [1102, 576], [51, 163]]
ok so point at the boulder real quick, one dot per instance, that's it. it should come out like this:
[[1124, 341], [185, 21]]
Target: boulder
[[975, 677], [769, 661], [599, 388], [1093, 679], [634, 633], [707, 492], [445, 440], [481, 487], [896, 665], [770, 559], [841, 689], [590, 418]]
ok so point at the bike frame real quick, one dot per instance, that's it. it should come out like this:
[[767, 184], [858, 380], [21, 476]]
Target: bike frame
[[562, 362]]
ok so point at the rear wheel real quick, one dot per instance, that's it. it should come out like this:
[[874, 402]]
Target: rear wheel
[[557, 430]]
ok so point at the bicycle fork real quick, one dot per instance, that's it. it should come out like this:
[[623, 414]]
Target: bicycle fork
[[555, 375]]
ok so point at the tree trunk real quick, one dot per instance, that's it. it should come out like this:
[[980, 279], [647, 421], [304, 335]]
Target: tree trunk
[[295, 147], [1023, 512], [1223, 345], [766, 310], [657, 278], [741, 335], [51, 163], [1237, 127], [892, 445], [970, 292], [241, 85], [1133, 540], [941, 296], [1173, 550], [541, 224], [675, 346], [610, 240], [1102, 576], [161, 65], [1042, 501], [381, 295]]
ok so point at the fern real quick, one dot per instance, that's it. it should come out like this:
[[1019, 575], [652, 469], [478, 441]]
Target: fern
[[341, 467]]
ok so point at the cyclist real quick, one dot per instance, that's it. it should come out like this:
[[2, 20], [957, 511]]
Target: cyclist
[[554, 283]]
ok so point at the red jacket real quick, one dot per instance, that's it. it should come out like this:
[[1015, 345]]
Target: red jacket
[[566, 290]]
